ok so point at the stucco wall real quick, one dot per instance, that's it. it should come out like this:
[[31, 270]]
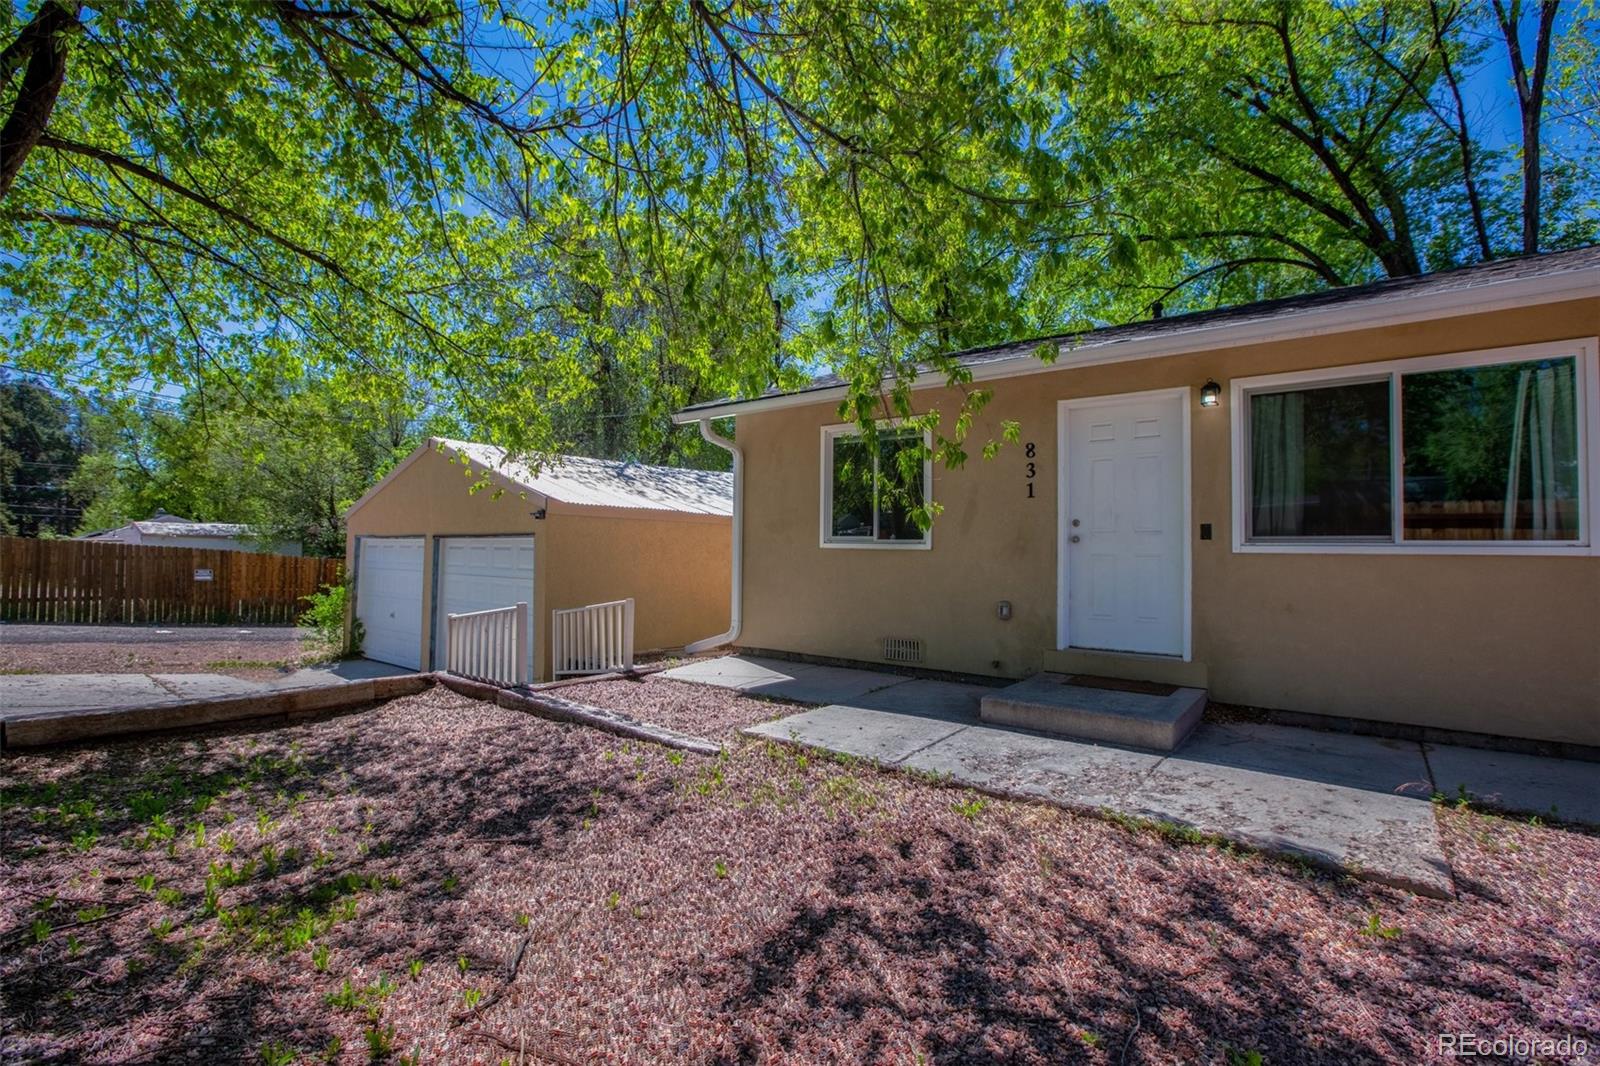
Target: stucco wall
[[1496, 644], [677, 570], [675, 566]]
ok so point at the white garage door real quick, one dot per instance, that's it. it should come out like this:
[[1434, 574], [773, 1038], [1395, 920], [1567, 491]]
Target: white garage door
[[481, 574], [389, 599]]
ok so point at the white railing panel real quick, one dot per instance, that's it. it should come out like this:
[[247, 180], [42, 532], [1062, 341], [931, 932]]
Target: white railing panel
[[596, 639], [491, 645]]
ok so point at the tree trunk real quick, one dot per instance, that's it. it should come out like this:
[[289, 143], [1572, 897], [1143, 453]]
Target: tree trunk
[[1463, 139], [42, 45], [1530, 101]]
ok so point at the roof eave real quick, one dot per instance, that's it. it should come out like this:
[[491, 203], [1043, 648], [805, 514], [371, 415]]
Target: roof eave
[[608, 510], [1578, 283]]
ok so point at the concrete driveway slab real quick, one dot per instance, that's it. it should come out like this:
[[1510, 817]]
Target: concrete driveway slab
[[1358, 803], [1568, 789], [1385, 836], [30, 693], [1374, 764], [802, 682], [1068, 773], [207, 686], [882, 736], [945, 700], [733, 671], [1283, 806], [825, 684], [338, 673]]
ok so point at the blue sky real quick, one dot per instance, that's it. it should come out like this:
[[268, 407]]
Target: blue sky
[[1490, 97]]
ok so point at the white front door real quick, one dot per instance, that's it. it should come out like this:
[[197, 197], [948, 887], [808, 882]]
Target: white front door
[[389, 599], [481, 574], [1124, 536]]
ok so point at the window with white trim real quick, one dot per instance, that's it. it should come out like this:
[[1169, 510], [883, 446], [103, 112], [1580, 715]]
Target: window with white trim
[[1482, 449], [865, 497]]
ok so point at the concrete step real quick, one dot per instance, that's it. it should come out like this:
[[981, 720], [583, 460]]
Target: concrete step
[[1157, 716]]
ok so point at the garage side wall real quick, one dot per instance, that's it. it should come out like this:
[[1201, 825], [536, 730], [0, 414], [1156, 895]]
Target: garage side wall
[[676, 568], [432, 498]]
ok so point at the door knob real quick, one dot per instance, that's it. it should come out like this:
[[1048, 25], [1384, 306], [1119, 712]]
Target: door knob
[[1076, 523], [1076, 538]]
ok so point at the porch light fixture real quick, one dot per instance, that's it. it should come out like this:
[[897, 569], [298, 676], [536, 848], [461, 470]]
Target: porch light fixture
[[1210, 394]]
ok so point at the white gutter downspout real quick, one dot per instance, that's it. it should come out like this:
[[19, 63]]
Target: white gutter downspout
[[736, 614]]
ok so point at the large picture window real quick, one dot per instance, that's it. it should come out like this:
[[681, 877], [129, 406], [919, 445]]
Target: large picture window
[[867, 498], [1483, 449]]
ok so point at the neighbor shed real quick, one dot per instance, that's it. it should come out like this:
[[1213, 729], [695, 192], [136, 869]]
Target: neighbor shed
[[458, 528]]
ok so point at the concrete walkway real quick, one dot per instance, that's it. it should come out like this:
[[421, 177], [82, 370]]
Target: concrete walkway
[[1356, 803], [29, 694]]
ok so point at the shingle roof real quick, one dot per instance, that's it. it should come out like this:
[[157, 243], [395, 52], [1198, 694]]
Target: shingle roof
[[575, 479], [1482, 275]]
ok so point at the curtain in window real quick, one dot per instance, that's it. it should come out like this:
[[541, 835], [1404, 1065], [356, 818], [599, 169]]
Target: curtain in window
[[1277, 451], [1544, 430]]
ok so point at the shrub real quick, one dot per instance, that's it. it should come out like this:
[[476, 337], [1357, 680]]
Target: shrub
[[326, 616]]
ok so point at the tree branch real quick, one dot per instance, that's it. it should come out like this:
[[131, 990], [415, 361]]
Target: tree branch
[[155, 177], [1309, 256], [42, 44]]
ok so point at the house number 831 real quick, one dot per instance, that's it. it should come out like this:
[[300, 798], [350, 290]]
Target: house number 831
[[1031, 451]]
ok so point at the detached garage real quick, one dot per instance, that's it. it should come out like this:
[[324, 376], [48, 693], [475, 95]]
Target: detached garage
[[422, 545]]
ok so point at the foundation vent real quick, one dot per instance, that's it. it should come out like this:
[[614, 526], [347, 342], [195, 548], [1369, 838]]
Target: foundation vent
[[902, 649]]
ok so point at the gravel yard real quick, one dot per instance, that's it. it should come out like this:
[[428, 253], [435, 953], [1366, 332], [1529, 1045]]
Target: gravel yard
[[254, 654], [704, 710], [447, 879]]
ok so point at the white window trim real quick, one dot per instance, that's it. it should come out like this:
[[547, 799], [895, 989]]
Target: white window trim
[[1583, 350], [825, 538]]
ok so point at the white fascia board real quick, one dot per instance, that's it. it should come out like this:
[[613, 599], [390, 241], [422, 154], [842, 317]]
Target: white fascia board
[[1368, 314]]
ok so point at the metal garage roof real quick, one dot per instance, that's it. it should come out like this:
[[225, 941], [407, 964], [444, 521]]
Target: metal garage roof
[[575, 479]]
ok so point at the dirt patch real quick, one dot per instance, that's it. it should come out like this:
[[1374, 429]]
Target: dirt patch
[[254, 660], [449, 879]]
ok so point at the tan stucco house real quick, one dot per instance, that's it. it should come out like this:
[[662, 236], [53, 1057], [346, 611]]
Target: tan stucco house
[[1379, 503], [457, 528]]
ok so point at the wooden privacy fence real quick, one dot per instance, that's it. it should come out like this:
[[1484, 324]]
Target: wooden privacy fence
[[490, 645], [591, 640], [98, 582], [1486, 520]]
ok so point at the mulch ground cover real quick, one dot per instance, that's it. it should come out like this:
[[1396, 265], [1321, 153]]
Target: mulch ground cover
[[703, 710], [442, 880]]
